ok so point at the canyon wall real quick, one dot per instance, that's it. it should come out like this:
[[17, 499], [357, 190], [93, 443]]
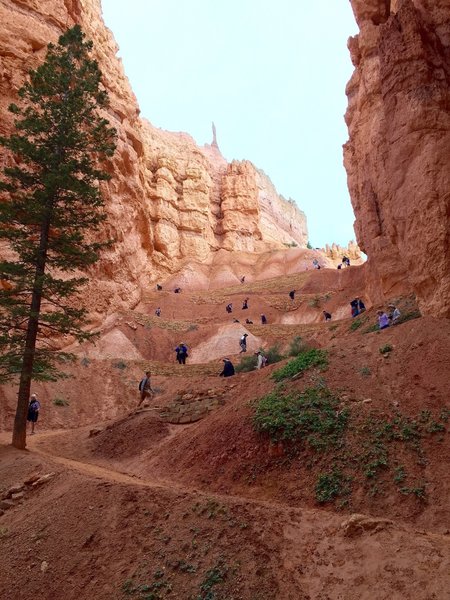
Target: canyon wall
[[169, 201], [398, 154]]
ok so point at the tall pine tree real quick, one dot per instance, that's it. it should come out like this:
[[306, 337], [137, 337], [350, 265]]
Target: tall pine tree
[[49, 200]]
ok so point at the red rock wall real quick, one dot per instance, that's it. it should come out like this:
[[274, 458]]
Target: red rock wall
[[398, 154], [169, 201]]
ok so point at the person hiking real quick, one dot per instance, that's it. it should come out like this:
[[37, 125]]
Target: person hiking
[[158, 287], [242, 280], [229, 308], [360, 304], [354, 307], [182, 353], [248, 322], [245, 304], [383, 320], [327, 315], [243, 343], [260, 360], [263, 319], [292, 294], [228, 368], [145, 387], [33, 411], [158, 312], [394, 314], [177, 290]]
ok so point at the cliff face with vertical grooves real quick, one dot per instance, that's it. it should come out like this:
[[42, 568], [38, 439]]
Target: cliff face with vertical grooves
[[169, 201], [398, 154]]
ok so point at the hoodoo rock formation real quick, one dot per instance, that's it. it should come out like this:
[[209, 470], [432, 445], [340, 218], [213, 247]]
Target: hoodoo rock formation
[[169, 201], [398, 154]]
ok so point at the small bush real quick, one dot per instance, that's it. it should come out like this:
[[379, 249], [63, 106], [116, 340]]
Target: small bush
[[414, 314], [248, 363], [119, 364], [60, 402], [330, 485], [356, 324], [386, 348], [314, 302], [311, 416], [192, 327], [365, 372], [296, 346], [304, 361], [274, 355]]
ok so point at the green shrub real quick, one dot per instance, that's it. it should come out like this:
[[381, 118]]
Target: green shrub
[[274, 355], [60, 402], [330, 485], [296, 346], [304, 361], [311, 416], [356, 323], [248, 363], [386, 348], [315, 302], [365, 372], [414, 314], [119, 364]]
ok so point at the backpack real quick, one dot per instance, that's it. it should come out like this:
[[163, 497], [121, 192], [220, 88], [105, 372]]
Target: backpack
[[142, 383]]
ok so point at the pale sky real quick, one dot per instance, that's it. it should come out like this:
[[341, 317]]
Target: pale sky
[[272, 77]]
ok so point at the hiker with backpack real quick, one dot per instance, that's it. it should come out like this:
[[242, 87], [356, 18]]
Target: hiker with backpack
[[245, 304], [182, 353], [33, 411], [261, 360], [158, 311], [327, 315], [145, 387], [243, 343], [263, 319], [228, 368], [229, 308], [292, 294]]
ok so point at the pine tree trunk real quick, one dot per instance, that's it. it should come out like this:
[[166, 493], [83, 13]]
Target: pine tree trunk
[[20, 421]]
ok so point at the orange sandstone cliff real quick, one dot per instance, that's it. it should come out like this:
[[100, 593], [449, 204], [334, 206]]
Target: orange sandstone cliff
[[398, 154], [169, 201]]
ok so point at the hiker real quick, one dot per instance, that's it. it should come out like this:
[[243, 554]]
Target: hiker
[[242, 279], [315, 263], [158, 312], [263, 320], [245, 304], [383, 319], [292, 294], [33, 411], [248, 322], [394, 314], [354, 306], [261, 360], [339, 266], [346, 261], [182, 353], [158, 287], [243, 343], [236, 321], [360, 304], [228, 368], [229, 308], [145, 387], [326, 315], [177, 290]]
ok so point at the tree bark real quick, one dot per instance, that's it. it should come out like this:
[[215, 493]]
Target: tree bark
[[19, 438]]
